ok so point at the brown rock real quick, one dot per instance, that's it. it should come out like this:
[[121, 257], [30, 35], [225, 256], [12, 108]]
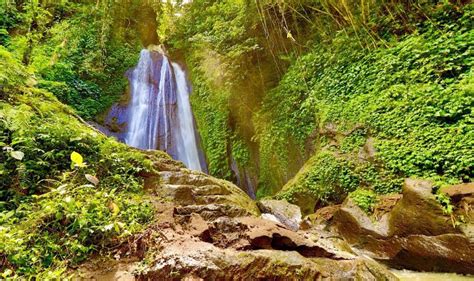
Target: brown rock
[[448, 252], [414, 234], [196, 192], [458, 191], [205, 261], [418, 212]]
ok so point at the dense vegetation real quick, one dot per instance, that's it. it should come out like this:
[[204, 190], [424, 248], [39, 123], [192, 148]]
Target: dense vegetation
[[79, 52], [372, 94], [66, 191], [413, 101]]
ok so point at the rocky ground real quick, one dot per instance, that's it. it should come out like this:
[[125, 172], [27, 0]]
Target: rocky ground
[[209, 229]]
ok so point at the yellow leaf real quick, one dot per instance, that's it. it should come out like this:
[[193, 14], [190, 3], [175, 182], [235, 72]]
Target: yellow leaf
[[114, 209], [77, 158]]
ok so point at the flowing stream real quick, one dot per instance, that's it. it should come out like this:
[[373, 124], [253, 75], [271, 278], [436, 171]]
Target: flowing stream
[[158, 114]]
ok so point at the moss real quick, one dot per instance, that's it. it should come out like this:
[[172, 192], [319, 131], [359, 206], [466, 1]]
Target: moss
[[325, 179]]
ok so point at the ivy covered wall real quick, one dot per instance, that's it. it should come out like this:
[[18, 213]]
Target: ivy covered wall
[[377, 92]]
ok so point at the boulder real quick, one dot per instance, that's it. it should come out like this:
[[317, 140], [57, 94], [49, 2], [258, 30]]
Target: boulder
[[458, 191], [287, 214], [195, 260], [418, 212], [353, 223], [190, 247], [321, 219], [252, 233], [415, 234], [446, 253]]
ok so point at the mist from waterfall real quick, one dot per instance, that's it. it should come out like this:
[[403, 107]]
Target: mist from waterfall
[[159, 115]]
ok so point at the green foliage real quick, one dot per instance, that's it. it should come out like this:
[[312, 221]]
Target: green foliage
[[224, 25], [365, 199], [240, 152], [74, 52], [212, 124], [12, 72], [445, 201], [51, 216], [354, 141], [414, 99], [326, 179]]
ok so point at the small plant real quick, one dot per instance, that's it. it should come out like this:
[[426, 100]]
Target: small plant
[[445, 202], [448, 208], [365, 199]]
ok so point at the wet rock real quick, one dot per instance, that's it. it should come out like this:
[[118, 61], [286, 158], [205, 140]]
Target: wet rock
[[287, 214]]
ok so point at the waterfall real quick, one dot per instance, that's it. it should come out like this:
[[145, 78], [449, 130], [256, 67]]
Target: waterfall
[[187, 147], [158, 114]]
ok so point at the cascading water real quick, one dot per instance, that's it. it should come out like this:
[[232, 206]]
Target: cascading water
[[187, 147], [158, 115], [148, 110]]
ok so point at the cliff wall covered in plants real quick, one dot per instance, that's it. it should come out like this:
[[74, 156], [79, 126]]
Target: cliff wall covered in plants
[[362, 95]]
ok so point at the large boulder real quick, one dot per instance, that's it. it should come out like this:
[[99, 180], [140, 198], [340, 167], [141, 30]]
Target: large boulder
[[190, 247], [193, 260], [418, 212], [287, 214], [415, 233]]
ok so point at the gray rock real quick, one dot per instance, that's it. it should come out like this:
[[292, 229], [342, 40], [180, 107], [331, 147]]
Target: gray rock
[[287, 214]]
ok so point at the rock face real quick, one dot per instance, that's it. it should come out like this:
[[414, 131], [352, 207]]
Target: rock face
[[209, 229], [286, 213], [196, 192], [414, 234]]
